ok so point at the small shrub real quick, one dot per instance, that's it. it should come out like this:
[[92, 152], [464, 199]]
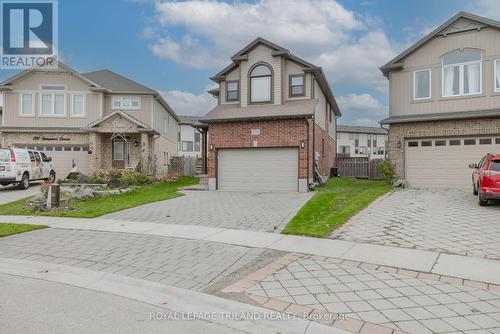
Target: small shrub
[[117, 178], [387, 169], [401, 184]]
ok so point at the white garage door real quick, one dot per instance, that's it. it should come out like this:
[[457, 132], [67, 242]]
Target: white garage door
[[258, 169], [64, 156], [444, 162]]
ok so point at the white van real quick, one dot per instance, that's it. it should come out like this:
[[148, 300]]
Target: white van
[[22, 166]]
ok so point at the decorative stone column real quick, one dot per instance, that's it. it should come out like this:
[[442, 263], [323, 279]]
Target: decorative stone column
[[95, 146], [145, 152]]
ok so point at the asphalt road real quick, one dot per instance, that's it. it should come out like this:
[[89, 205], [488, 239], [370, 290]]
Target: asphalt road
[[35, 306]]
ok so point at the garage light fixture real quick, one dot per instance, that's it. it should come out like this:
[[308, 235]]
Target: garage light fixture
[[302, 144]]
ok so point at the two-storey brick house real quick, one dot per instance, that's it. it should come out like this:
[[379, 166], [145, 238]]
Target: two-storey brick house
[[445, 102], [274, 121], [92, 120]]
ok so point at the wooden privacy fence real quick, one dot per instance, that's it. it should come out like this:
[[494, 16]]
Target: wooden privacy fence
[[359, 167], [185, 166]]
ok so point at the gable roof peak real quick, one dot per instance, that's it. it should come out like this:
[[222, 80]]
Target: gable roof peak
[[395, 63]]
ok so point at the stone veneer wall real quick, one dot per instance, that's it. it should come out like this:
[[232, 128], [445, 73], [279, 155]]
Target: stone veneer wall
[[398, 133]]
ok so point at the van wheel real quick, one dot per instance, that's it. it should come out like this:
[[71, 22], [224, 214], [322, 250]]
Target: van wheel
[[25, 182], [52, 177], [482, 201]]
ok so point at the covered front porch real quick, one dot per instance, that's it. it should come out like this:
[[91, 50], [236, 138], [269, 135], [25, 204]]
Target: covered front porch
[[121, 142]]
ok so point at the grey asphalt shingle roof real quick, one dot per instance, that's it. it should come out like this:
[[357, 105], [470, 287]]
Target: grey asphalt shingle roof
[[191, 120], [291, 109], [116, 82], [361, 129]]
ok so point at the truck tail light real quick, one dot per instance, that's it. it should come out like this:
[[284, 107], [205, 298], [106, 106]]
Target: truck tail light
[[12, 156]]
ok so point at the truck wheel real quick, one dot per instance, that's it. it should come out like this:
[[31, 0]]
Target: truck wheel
[[25, 182], [52, 177]]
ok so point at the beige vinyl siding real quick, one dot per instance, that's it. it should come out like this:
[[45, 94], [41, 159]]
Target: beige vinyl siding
[[429, 56], [34, 80], [292, 68], [143, 114], [165, 146], [258, 54], [319, 115], [12, 110]]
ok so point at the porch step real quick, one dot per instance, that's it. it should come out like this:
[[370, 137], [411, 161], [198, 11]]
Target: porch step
[[203, 179]]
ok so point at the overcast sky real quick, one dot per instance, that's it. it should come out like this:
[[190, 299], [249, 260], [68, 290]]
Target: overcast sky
[[175, 46]]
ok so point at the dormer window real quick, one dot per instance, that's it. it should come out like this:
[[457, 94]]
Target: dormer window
[[232, 91], [462, 73], [260, 84], [297, 85]]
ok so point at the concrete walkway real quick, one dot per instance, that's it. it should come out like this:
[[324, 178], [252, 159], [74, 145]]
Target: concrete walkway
[[171, 300], [441, 264]]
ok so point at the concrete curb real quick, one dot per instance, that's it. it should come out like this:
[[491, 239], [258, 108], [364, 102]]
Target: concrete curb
[[164, 296]]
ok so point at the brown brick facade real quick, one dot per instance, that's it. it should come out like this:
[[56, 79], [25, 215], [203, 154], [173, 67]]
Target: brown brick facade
[[400, 132], [275, 133]]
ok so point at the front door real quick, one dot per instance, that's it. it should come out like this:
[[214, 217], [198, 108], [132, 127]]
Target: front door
[[119, 154]]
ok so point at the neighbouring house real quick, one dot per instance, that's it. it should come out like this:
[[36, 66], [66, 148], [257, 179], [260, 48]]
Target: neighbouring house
[[361, 141], [276, 115], [445, 102], [92, 120], [190, 141]]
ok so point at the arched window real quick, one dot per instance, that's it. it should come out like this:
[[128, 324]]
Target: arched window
[[260, 84], [462, 73]]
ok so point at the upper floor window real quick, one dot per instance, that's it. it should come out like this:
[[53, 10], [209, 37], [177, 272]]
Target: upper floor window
[[126, 102], [297, 85], [422, 84], [260, 84], [497, 75], [27, 104], [53, 104], [232, 91], [78, 105], [462, 73]]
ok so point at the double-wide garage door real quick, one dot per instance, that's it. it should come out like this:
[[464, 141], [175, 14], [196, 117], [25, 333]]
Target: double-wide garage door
[[258, 169], [444, 162]]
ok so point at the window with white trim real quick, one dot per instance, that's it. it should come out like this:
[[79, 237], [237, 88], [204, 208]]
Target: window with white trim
[[126, 102], [27, 104], [497, 75], [53, 104], [462, 73], [422, 84], [78, 105], [297, 85]]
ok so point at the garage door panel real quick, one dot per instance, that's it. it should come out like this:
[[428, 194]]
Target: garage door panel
[[443, 166], [62, 161], [258, 169]]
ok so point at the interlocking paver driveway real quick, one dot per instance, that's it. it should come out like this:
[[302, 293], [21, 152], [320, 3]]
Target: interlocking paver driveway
[[413, 305], [440, 220], [179, 262], [239, 210]]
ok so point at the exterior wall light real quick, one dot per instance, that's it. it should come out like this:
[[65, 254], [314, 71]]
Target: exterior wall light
[[302, 144], [211, 147]]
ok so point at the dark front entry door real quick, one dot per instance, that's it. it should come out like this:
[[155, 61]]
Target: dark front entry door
[[119, 154]]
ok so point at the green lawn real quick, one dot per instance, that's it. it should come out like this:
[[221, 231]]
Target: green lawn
[[9, 229], [96, 207], [333, 205]]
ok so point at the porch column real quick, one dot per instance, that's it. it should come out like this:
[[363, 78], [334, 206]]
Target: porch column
[[145, 150], [204, 151], [95, 146]]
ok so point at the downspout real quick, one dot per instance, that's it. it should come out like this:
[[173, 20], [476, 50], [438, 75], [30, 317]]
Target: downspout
[[386, 155], [314, 145], [308, 138]]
